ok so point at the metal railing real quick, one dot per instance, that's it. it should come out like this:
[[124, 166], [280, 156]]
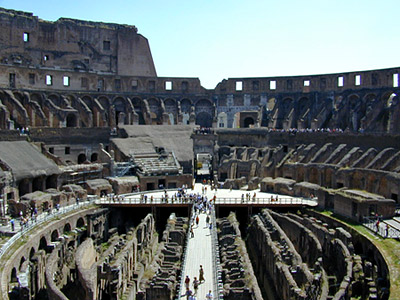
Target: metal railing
[[128, 199], [217, 270], [381, 228], [184, 259], [23, 229]]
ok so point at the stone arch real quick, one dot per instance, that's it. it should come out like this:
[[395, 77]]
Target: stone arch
[[222, 120], [43, 244], [80, 223], [355, 109], [303, 112], [94, 157], [67, 228], [204, 119], [138, 107], [247, 122], [155, 109], [61, 102], [186, 105], [171, 108], [51, 182], [24, 187], [88, 100], [21, 262], [54, 235], [32, 253], [105, 104], [71, 120], [13, 276], [284, 108], [204, 110], [81, 158], [37, 97], [120, 108], [37, 184]]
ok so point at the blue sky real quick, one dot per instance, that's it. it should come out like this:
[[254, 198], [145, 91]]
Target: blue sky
[[217, 39]]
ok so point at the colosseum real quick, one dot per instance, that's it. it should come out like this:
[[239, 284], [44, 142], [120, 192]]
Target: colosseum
[[116, 183]]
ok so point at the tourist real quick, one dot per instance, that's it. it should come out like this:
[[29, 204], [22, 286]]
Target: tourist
[[209, 295], [201, 274], [12, 225], [188, 294], [197, 220], [195, 285], [191, 231], [187, 282]]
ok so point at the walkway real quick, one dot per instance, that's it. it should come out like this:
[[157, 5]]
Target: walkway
[[223, 197], [199, 252]]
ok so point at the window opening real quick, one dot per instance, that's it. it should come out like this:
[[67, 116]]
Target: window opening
[[357, 80], [396, 80], [66, 80], [49, 80], [340, 81], [168, 85], [306, 82], [106, 45], [26, 37], [239, 86], [272, 85]]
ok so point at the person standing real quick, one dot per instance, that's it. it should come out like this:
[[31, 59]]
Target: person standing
[[187, 282], [201, 274], [188, 294], [209, 295], [195, 285]]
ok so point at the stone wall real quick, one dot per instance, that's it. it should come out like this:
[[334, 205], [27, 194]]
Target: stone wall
[[237, 272]]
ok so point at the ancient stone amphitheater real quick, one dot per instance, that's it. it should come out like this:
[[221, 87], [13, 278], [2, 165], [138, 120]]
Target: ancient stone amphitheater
[[84, 118]]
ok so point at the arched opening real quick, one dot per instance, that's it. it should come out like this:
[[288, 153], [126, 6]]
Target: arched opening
[[155, 110], [94, 157], [186, 105], [71, 120], [23, 187], [204, 119], [43, 244], [51, 182], [80, 223], [13, 277], [54, 236], [119, 105], [21, 262], [222, 120], [81, 158], [67, 228], [37, 184], [137, 105], [248, 122], [32, 253]]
